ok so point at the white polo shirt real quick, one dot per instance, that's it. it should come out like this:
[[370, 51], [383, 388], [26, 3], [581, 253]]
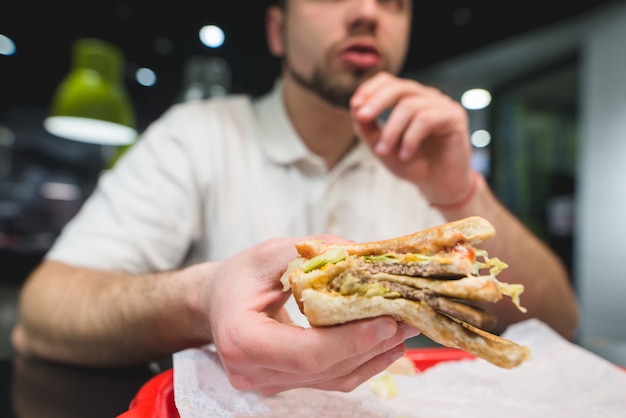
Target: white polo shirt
[[211, 178]]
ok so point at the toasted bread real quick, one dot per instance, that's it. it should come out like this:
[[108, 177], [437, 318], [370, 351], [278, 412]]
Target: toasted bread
[[472, 230], [323, 309]]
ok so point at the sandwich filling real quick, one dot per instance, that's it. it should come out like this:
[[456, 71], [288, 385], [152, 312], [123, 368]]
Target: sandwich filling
[[448, 281]]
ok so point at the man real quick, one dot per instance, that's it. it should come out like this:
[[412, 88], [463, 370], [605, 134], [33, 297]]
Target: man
[[129, 281]]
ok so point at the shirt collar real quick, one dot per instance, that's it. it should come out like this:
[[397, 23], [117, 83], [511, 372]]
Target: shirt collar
[[278, 137], [282, 144]]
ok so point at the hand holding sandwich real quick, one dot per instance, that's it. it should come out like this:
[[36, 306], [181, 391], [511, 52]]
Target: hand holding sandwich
[[261, 350]]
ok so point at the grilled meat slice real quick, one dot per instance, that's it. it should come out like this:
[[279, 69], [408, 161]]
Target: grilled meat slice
[[347, 283]]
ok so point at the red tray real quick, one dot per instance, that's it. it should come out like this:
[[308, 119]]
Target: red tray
[[156, 397]]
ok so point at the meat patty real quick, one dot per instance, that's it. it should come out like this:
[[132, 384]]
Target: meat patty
[[415, 269], [470, 314]]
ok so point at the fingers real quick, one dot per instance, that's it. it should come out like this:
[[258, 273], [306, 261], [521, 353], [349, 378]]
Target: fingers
[[397, 126], [254, 276], [276, 252], [351, 380], [350, 344], [417, 113], [337, 358], [373, 96], [261, 351]]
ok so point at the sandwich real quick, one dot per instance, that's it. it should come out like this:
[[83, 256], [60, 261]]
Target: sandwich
[[435, 280]]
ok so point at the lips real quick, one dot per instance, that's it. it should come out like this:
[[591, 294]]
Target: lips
[[360, 54]]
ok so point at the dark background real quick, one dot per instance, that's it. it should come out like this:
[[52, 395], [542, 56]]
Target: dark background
[[44, 31]]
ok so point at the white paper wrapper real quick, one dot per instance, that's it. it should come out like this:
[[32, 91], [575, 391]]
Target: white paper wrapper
[[561, 380]]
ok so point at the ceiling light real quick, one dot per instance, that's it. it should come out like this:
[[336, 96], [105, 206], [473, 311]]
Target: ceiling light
[[91, 104], [7, 46], [146, 77], [475, 99], [212, 36], [480, 138]]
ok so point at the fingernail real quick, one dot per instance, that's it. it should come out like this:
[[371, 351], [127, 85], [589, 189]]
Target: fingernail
[[386, 329], [396, 355], [381, 147], [365, 111]]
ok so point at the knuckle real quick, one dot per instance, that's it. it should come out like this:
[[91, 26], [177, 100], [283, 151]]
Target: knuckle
[[425, 118], [241, 381], [309, 364], [385, 75]]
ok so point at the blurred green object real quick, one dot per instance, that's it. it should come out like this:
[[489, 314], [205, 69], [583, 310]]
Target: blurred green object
[[91, 104]]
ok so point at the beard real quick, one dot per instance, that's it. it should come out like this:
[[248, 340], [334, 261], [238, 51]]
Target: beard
[[336, 89]]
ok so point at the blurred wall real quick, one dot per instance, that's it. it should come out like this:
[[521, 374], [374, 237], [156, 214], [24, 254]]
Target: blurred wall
[[599, 39], [601, 198]]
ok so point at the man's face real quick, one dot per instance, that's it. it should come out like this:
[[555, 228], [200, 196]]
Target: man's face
[[332, 46]]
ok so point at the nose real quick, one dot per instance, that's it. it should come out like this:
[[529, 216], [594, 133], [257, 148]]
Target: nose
[[363, 15]]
